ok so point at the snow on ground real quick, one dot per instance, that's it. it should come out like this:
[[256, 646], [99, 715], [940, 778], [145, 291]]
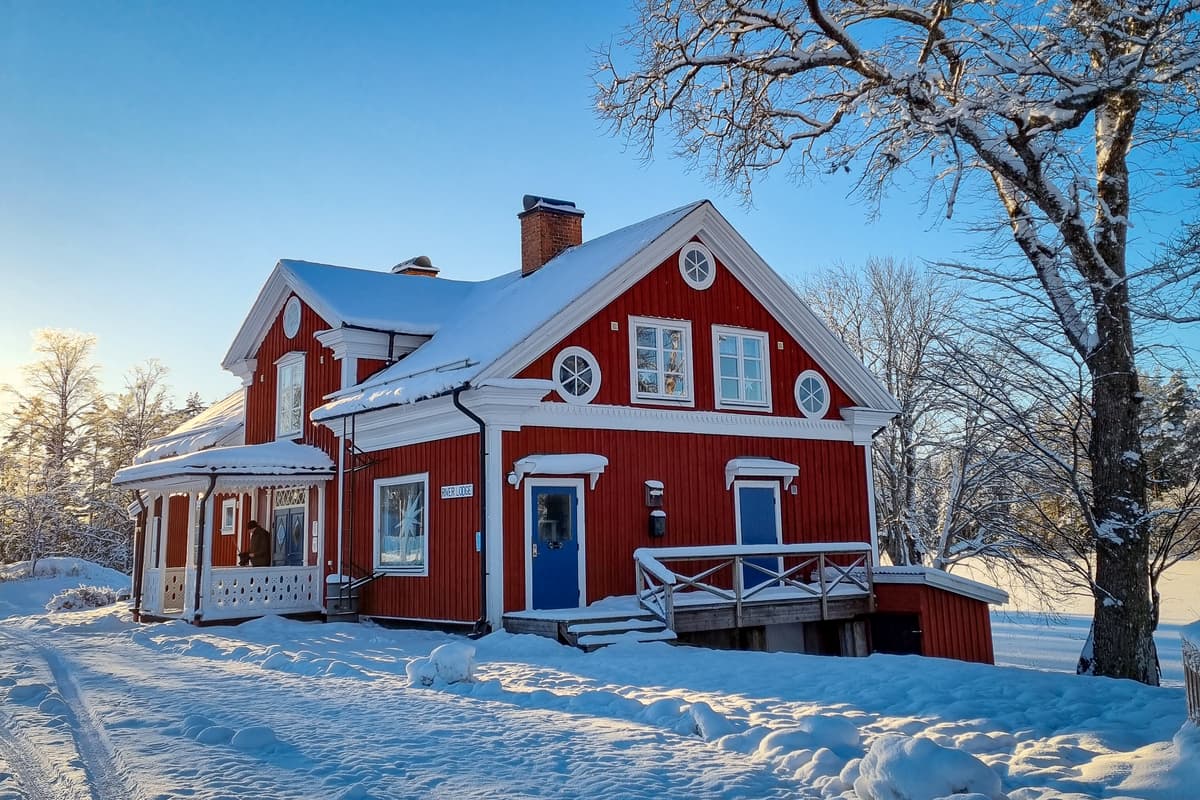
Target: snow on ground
[[92, 705]]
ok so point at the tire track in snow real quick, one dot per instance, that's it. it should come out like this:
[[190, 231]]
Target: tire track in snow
[[95, 751]]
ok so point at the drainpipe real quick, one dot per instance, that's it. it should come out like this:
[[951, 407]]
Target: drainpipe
[[139, 557], [481, 625], [200, 517]]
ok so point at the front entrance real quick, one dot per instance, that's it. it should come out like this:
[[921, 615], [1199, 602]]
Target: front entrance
[[756, 506], [554, 526], [287, 542]]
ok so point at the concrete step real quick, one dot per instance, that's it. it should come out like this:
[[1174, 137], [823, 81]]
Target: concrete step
[[341, 616]]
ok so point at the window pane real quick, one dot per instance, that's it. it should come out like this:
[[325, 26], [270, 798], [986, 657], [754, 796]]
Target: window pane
[[647, 382], [727, 345], [647, 359], [402, 525], [647, 337], [754, 392], [752, 347], [729, 389], [729, 367], [753, 369], [672, 339]]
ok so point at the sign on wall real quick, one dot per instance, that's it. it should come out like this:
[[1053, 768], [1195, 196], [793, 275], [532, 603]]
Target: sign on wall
[[458, 490]]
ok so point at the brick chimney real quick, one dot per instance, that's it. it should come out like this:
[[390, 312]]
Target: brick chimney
[[548, 227], [421, 265]]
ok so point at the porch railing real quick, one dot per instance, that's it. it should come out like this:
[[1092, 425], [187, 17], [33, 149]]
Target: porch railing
[[235, 592], [174, 583], [803, 572], [152, 591]]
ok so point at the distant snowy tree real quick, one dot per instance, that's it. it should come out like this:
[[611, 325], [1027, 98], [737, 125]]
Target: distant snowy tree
[[1037, 107]]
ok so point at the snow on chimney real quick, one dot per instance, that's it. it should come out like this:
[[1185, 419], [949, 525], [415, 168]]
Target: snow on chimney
[[421, 265], [548, 227]]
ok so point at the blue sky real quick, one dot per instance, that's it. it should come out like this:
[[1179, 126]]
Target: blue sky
[[156, 159]]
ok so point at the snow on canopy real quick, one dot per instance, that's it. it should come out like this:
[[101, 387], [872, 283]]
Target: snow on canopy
[[220, 423], [272, 458], [413, 304], [496, 316]]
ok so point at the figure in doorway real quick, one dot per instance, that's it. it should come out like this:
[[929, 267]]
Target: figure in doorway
[[259, 554]]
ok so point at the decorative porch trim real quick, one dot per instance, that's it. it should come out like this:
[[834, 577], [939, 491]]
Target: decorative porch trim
[[588, 464]]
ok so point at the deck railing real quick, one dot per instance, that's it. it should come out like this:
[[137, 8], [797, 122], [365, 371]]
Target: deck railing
[[235, 592], [804, 571]]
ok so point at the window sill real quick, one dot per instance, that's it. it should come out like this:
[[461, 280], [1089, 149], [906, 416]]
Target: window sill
[[655, 400]]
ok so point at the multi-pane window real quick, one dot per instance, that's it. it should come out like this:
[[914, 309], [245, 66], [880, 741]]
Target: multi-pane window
[[576, 375], [812, 393], [401, 524], [661, 359], [289, 399], [741, 367]]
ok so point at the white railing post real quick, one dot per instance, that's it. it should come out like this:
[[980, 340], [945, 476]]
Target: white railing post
[[739, 588], [1190, 639], [824, 589]]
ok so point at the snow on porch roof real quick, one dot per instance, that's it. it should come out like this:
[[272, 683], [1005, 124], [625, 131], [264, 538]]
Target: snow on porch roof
[[588, 464], [497, 316], [272, 458], [760, 468], [941, 580], [217, 423]]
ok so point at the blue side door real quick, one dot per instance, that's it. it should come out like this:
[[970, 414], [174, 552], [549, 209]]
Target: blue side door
[[758, 523], [554, 551]]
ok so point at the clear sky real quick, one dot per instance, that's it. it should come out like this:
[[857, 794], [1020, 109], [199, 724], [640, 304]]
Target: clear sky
[[156, 159]]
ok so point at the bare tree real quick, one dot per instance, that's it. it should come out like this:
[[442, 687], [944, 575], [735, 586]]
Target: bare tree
[[1041, 105]]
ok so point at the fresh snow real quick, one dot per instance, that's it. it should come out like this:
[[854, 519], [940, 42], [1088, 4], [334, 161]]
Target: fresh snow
[[92, 704], [219, 424], [270, 458]]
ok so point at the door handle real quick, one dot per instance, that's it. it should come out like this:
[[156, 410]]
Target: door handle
[[535, 549]]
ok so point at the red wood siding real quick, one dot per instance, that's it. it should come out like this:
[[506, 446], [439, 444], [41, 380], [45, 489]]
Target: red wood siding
[[952, 626], [225, 546], [451, 590], [663, 293], [177, 531], [322, 375], [830, 504], [368, 367]]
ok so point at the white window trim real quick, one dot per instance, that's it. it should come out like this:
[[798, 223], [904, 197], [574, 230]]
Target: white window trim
[[581, 531], [746, 405], [635, 396], [820, 413], [691, 247], [284, 362], [592, 391], [229, 503], [423, 478]]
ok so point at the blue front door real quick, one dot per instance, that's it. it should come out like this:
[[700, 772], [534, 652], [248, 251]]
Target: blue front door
[[554, 551], [758, 523]]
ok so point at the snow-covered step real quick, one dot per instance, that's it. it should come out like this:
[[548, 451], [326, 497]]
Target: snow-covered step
[[615, 625], [592, 641]]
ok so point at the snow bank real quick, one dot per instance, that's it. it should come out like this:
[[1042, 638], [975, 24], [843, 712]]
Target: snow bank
[[22, 595], [448, 664], [82, 597], [898, 767]]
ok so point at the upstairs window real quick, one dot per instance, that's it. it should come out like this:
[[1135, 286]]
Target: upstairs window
[[696, 265], [812, 394], [289, 396], [576, 375], [742, 368], [661, 360]]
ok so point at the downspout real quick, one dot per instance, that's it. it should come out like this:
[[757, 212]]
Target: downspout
[[139, 557], [482, 627], [200, 517]]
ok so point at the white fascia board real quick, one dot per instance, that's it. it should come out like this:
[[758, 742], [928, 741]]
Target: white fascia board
[[939, 579], [830, 352], [586, 305], [867, 422], [359, 343], [266, 308], [671, 420]]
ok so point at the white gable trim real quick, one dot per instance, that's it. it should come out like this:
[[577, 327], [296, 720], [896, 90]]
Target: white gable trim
[[744, 264]]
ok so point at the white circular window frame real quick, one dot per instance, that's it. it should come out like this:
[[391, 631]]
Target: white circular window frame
[[696, 247], [593, 390], [820, 412], [291, 317]]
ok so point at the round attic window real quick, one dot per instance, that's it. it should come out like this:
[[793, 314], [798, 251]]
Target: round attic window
[[812, 393], [697, 266], [576, 375], [291, 317]]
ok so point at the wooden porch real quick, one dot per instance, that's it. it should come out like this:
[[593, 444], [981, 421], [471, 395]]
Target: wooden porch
[[696, 590]]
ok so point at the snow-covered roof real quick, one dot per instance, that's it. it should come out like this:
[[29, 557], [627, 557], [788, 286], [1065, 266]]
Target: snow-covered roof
[[941, 580], [559, 464], [220, 423], [497, 315], [272, 458]]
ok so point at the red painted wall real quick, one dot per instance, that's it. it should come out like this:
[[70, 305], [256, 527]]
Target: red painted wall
[[177, 532], [663, 293], [322, 375], [368, 367], [830, 504], [451, 590], [952, 626]]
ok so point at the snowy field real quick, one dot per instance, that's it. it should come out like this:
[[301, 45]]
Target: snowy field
[[92, 705]]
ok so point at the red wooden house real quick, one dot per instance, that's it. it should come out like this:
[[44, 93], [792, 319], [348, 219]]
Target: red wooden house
[[645, 435]]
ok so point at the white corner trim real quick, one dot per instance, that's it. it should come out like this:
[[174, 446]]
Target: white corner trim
[[760, 468], [866, 422]]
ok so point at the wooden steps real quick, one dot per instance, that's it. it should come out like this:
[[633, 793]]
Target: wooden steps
[[593, 635]]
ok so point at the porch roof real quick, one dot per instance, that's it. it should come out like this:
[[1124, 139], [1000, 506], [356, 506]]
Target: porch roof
[[244, 462]]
